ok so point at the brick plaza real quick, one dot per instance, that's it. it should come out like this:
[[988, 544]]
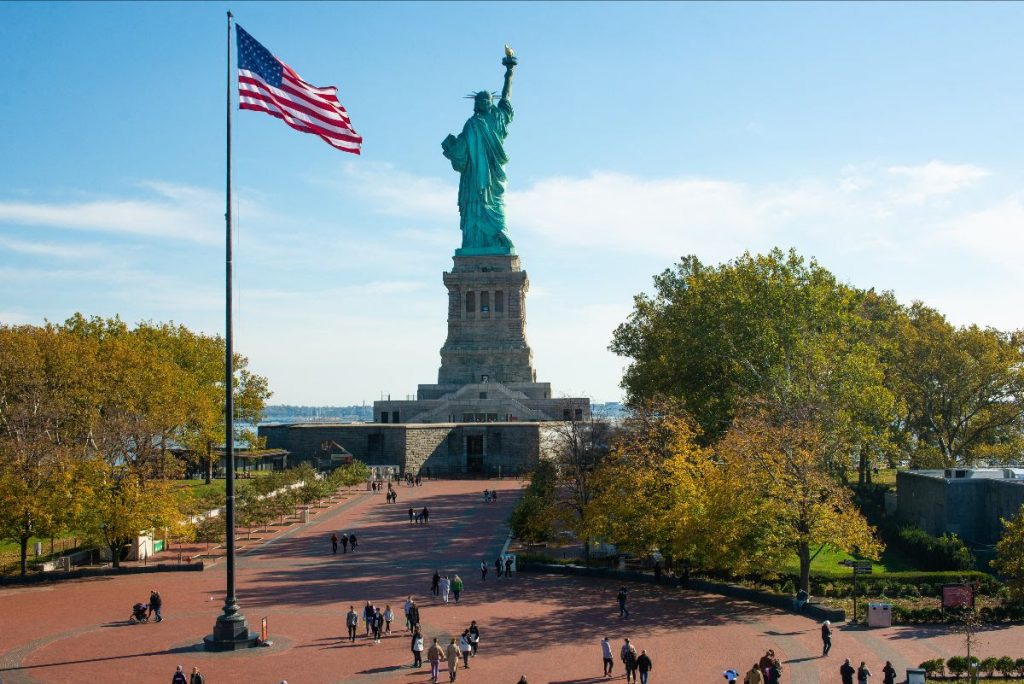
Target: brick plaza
[[546, 627]]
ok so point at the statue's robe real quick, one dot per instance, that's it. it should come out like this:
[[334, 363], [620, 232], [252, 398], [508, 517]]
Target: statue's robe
[[479, 155]]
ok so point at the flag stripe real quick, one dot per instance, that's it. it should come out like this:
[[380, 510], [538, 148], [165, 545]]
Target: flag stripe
[[267, 84], [339, 141], [346, 146], [256, 88], [298, 123]]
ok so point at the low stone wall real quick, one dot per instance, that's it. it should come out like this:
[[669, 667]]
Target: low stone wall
[[782, 601], [100, 572]]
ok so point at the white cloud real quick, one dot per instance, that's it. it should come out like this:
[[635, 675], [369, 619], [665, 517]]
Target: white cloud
[[50, 249], [179, 212], [933, 179]]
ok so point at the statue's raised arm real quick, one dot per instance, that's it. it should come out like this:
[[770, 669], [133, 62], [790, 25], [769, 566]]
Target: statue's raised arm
[[510, 62], [478, 154]]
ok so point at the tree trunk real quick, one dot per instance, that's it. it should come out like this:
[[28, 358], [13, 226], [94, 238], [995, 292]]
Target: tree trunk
[[209, 464], [23, 541], [586, 551], [115, 553], [862, 468], [804, 553]]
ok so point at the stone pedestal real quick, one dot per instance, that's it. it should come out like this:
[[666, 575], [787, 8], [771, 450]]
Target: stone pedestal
[[486, 323]]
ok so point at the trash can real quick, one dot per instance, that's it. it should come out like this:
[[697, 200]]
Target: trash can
[[879, 615], [915, 675]]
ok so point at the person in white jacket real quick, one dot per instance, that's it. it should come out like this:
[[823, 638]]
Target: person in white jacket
[[465, 648], [606, 654], [445, 586]]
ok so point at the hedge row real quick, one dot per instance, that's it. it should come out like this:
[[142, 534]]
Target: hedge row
[[1004, 613], [959, 665]]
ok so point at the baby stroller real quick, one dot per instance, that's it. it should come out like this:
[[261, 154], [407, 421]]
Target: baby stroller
[[140, 613]]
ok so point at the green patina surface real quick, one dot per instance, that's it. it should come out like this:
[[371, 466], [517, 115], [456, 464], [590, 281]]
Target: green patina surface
[[478, 154]]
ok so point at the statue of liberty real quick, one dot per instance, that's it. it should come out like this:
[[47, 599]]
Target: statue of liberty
[[478, 154]]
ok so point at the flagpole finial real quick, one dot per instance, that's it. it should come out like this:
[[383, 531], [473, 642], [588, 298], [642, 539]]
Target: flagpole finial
[[230, 15]]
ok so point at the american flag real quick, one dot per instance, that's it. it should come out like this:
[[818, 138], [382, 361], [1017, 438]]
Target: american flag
[[266, 84]]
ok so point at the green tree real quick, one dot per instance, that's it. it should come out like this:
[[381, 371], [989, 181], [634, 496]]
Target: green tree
[[1010, 555], [772, 327], [577, 450], [41, 418], [963, 390], [802, 508]]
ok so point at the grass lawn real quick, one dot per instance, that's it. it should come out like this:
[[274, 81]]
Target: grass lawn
[[827, 563]]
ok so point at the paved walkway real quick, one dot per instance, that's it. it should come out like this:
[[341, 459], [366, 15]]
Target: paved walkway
[[546, 627]]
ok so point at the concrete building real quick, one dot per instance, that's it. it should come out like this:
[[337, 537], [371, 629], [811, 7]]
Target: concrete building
[[435, 449], [968, 502]]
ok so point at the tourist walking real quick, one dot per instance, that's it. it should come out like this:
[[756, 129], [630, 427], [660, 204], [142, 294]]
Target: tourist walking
[[497, 566], [622, 595], [413, 614], [352, 540], [765, 663], [412, 514], [367, 618], [452, 653], [474, 636], [483, 570], [846, 672], [775, 672], [334, 543], [456, 587], [389, 617], [754, 676], [434, 655], [378, 624], [863, 673], [351, 622], [155, 604], [435, 583], [445, 586], [888, 673], [465, 648], [628, 657], [606, 656], [344, 542], [179, 676], [508, 566], [425, 514], [643, 666], [826, 637], [417, 648], [196, 677]]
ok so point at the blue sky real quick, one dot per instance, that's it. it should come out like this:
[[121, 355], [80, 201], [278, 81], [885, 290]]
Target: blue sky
[[882, 139]]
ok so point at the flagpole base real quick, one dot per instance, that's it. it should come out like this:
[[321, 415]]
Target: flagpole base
[[230, 635]]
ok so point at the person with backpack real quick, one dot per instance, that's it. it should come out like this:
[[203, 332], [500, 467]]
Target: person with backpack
[[179, 676], [863, 673], [389, 617], [196, 677], [628, 657], [377, 623]]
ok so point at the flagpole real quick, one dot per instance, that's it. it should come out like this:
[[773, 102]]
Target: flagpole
[[231, 631]]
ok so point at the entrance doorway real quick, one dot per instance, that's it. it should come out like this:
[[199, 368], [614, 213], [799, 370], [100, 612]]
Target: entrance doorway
[[475, 453]]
